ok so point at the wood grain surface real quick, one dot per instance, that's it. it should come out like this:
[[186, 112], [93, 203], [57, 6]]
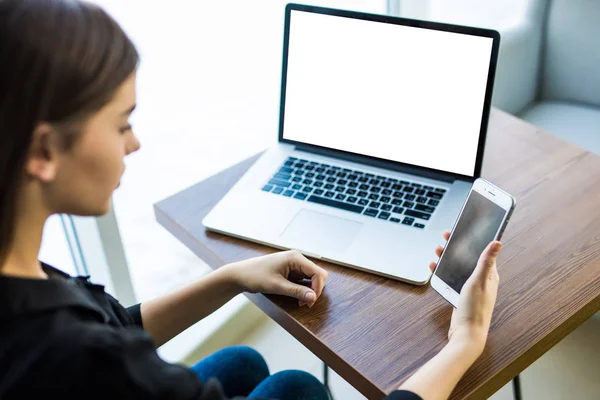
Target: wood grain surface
[[376, 332]]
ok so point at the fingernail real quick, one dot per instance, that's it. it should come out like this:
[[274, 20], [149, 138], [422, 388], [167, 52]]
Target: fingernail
[[310, 297], [496, 247]]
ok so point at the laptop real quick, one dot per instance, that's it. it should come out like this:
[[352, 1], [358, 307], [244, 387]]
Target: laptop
[[381, 135]]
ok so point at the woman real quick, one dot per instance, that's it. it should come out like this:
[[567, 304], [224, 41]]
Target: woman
[[67, 89]]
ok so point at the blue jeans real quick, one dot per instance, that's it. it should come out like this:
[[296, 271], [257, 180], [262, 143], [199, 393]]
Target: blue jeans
[[242, 371]]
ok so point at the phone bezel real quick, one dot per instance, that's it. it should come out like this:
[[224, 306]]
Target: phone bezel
[[497, 196]]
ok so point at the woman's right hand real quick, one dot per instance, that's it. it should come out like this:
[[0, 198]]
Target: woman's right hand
[[471, 320]]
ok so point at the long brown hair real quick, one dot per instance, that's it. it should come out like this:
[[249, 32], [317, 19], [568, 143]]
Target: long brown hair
[[60, 61]]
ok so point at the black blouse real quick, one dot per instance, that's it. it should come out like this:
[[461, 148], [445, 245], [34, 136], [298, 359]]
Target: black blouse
[[66, 337]]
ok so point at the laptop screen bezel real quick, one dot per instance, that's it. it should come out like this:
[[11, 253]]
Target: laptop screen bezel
[[370, 160]]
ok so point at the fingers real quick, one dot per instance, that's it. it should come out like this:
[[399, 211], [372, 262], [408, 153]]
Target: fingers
[[438, 251], [301, 293], [487, 260], [318, 276], [432, 266]]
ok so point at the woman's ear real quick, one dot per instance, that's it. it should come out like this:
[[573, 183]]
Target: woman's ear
[[43, 156]]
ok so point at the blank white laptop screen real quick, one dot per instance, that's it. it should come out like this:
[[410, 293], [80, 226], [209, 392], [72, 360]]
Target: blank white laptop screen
[[389, 91]]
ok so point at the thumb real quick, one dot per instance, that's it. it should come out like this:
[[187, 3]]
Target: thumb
[[487, 259], [302, 293]]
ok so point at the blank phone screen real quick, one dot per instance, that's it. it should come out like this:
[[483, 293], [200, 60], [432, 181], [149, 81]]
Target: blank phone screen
[[476, 228]]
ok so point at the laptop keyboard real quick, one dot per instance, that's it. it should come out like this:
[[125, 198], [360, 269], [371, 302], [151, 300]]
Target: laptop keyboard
[[377, 196]]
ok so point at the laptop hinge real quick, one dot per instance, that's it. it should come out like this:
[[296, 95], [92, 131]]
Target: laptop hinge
[[375, 162]]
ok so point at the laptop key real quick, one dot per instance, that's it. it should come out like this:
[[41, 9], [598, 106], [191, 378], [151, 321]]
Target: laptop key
[[386, 207], [433, 202], [341, 174], [330, 172], [278, 182], [371, 212], [297, 179], [440, 190], [329, 186], [373, 196], [419, 226], [417, 214], [386, 192], [310, 175], [385, 199], [375, 189], [398, 210], [288, 193], [308, 182], [318, 184], [319, 192], [309, 167], [374, 182], [416, 185], [300, 195], [427, 187], [297, 186], [409, 197], [277, 190], [397, 202], [340, 197], [351, 199], [374, 204], [362, 193], [408, 189], [384, 215], [398, 194], [329, 194], [285, 170], [385, 184], [320, 177], [307, 189], [396, 220], [342, 181], [352, 177], [288, 163], [404, 182], [320, 169], [408, 204], [364, 186], [397, 187], [267, 188], [353, 184], [408, 221], [424, 208], [422, 199], [336, 204], [363, 179], [434, 195], [331, 179], [340, 189], [363, 202], [420, 192], [351, 191]]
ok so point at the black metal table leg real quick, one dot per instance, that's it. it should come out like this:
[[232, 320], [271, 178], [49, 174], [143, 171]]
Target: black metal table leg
[[517, 387], [326, 380]]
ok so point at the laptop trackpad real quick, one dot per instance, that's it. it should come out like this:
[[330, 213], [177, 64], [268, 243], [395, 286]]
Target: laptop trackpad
[[313, 232]]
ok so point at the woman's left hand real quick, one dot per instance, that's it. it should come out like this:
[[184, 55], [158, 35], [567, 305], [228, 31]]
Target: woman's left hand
[[279, 273]]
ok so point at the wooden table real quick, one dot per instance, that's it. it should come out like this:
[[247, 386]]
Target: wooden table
[[376, 332]]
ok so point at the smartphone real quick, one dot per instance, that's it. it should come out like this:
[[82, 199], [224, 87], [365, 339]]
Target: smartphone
[[483, 219]]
